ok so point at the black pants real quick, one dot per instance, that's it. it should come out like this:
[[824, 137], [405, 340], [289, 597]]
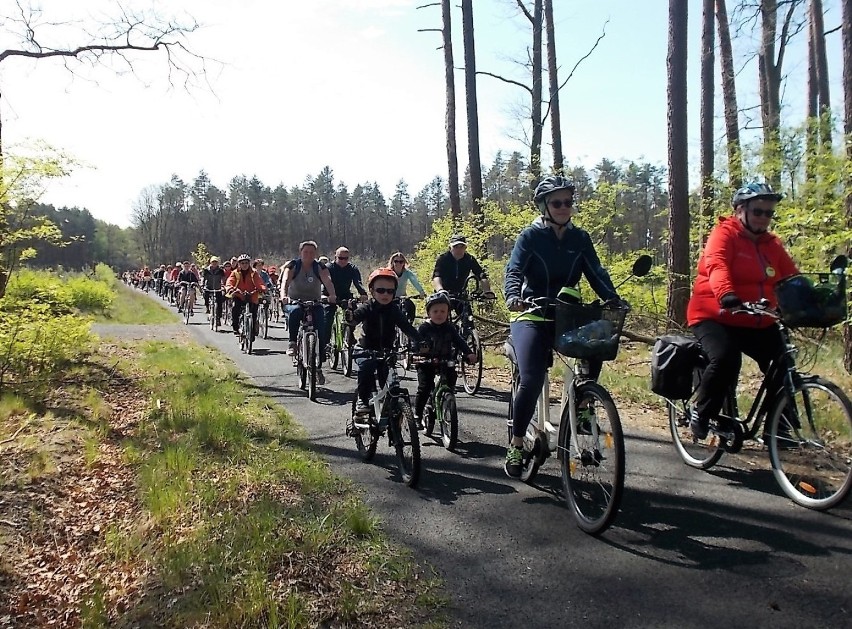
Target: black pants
[[724, 346], [237, 311], [426, 382]]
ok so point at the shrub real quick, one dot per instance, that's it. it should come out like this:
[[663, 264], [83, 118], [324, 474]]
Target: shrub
[[29, 288], [89, 295]]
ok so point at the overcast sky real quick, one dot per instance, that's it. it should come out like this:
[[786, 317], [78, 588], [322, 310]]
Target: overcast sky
[[350, 84]]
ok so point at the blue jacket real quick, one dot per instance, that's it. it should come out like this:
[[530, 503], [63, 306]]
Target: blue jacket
[[541, 263]]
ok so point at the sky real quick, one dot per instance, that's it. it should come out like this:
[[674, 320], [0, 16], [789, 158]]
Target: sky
[[292, 87]]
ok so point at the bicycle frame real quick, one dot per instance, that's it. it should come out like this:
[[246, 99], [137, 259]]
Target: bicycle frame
[[390, 390]]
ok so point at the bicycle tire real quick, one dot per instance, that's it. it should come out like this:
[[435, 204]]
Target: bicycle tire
[[249, 325], [311, 365], [695, 454], [429, 416], [347, 354], [264, 323], [449, 419], [811, 448], [337, 342], [366, 439], [592, 498], [406, 443], [472, 374], [187, 308]]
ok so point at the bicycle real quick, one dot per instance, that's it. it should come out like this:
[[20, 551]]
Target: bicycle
[[187, 300], [306, 358], [441, 407], [263, 317], [590, 450], [471, 374], [390, 413], [275, 304], [246, 327], [215, 316], [808, 420], [342, 338]]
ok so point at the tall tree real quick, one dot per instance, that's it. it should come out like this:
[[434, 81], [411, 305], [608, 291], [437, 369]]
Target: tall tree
[[708, 58], [450, 122], [729, 97], [535, 105], [678, 262], [846, 30], [553, 78], [817, 31], [475, 163]]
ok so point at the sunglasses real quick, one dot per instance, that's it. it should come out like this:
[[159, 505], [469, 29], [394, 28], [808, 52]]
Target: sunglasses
[[757, 211], [342, 257], [558, 204], [385, 291], [399, 261]]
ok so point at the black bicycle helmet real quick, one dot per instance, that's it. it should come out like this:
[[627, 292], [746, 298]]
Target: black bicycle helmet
[[552, 184], [437, 298], [755, 190]]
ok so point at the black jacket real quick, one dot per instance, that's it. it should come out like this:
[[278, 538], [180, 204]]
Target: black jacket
[[443, 341], [379, 324]]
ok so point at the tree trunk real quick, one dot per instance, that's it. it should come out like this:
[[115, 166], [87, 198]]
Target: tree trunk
[[708, 59], [475, 163], [535, 114], [729, 96], [812, 129], [452, 154], [770, 91], [678, 288], [847, 129], [817, 31], [553, 77]]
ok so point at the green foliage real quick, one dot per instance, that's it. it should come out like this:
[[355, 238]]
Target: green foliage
[[201, 255], [60, 297], [89, 295]]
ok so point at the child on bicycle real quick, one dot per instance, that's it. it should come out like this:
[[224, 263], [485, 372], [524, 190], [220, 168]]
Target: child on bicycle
[[441, 340], [379, 319]]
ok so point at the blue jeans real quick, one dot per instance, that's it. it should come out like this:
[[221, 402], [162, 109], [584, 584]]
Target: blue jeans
[[533, 342], [294, 314]]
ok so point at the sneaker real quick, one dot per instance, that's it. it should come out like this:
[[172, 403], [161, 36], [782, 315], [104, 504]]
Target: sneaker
[[418, 419], [291, 348], [585, 417], [362, 408], [514, 461], [320, 377], [699, 428]]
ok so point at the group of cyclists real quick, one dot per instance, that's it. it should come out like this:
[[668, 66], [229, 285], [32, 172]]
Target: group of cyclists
[[742, 261]]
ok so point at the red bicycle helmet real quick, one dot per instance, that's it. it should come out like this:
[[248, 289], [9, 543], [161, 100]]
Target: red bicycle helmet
[[388, 274]]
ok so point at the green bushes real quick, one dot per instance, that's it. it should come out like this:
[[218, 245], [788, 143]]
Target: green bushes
[[76, 293]]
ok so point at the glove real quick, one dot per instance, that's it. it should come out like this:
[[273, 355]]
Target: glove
[[731, 301], [515, 304]]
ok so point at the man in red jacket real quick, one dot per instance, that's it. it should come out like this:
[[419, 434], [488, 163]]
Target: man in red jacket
[[742, 261]]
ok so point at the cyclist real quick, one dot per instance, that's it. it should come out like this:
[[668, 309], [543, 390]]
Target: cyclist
[[185, 279], [742, 261], [379, 318], [213, 277], [242, 281], [547, 260], [442, 340], [453, 267], [344, 275], [399, 265], [304, 281], [273, 275]]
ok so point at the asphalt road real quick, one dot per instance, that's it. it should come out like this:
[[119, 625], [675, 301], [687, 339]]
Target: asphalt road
[[688, 549]]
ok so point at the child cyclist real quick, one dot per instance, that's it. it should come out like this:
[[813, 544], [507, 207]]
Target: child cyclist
[[379, 319], [440, 339]]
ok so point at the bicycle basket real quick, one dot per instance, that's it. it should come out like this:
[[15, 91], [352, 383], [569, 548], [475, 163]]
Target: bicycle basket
[[584, 331], [812, 300]]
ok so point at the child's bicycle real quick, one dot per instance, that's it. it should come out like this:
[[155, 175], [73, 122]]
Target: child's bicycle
[[807, 422], [390, 413], [441, 407]]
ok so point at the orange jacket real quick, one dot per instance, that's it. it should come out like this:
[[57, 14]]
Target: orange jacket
[[734, 263], [248, 281]]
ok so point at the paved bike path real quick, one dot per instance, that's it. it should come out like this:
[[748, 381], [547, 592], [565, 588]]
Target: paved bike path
[[689, 548]]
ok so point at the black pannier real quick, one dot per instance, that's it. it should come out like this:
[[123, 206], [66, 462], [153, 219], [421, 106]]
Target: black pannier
[[672, 363]]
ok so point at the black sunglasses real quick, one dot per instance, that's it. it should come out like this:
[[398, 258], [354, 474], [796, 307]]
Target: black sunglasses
[[399, 261], [385, 291], [558, 204], [342, 257], [757, 211]]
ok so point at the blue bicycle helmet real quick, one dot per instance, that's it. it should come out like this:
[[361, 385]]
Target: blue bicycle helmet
[[755, 190]]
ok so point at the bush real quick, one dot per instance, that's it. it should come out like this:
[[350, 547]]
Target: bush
[[105, 274], [30, 288], [89, 295]]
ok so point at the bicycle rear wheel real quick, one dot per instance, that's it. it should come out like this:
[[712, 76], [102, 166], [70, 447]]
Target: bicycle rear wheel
[[311, 365], [593, 471], [472, 374], [406, 442], [810, 444], [449, 419], [698, 454]]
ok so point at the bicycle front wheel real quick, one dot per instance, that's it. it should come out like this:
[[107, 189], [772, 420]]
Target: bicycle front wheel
[[187, 310], [366, 439], [449, 419], [311, 365], [472, 374], [406, 442], [264, 323], [593, 468], [810, 444]]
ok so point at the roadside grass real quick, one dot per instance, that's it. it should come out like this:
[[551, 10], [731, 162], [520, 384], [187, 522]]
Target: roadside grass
[[131, 307], [253, 529]]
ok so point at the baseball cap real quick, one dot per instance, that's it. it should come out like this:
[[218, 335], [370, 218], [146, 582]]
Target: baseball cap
[[457, 239]]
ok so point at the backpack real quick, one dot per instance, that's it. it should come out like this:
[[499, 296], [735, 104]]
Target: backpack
[[672, 362], [297, 266]]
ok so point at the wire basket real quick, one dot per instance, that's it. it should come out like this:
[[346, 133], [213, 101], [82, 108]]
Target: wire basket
[[584, 331], [812, 300]]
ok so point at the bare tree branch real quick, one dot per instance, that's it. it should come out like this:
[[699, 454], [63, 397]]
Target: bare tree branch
[[524, 10], [505, 80]]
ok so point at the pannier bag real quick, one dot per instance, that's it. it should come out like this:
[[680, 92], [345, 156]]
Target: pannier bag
[[672, 362]]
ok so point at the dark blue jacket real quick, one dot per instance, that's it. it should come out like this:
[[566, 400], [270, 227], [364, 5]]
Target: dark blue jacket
[[541, 263], [343, 278]]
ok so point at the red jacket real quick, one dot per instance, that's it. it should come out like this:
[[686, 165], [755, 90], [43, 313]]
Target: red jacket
[[246, 281], [734, 263]]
